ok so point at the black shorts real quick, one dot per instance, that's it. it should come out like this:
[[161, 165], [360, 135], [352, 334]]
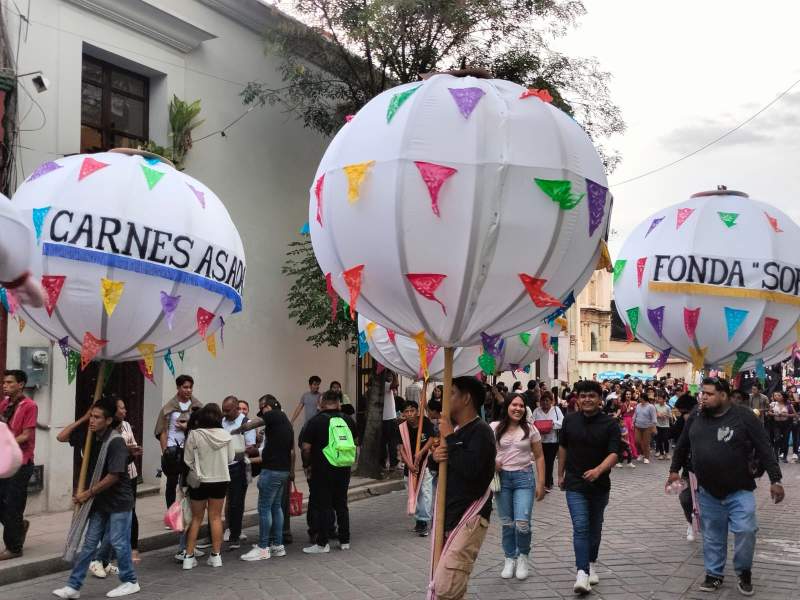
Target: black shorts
[[213, 491]]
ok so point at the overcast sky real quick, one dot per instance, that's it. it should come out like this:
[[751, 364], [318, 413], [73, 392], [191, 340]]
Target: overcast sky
[[684, 72]]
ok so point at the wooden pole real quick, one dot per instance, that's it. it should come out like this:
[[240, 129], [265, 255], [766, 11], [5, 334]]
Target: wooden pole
[[422, 404], [87, 446], [441, 486]]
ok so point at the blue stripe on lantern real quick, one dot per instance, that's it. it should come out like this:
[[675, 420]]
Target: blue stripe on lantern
[[146, 268]]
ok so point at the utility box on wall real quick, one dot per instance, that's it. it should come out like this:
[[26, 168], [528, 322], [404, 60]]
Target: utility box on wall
[[35, 361]]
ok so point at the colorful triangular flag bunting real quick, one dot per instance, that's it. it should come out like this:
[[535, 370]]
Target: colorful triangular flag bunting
[[397, 101], [690, 318], [426, 285], [597, 204], [112, 292], [211, 345], [44, 169], [656, 318], [143, 370], [467, 99], [151, 176], [619, 266], [352, 279], [698, 356], [52, 285], [147, 351], [728, 218], [90, 348], [318, 195], [487, 363], [769, 328], [200, 195], [334, 297], [661, 361], [773, 222], [525, 338], [633, 318], [169, 304], [560, 191], [535, 288], [734, 317], [38, 216], [170, 364], [73, 360], [653, 224], [20, 322], [434, 177], [683, 214], [422, 348], [204, 319], [542, 95], [640, 264], [741, 358], [355, 177], [89, 166]]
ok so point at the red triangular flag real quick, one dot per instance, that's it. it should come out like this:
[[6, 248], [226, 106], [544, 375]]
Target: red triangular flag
[[392, 335], [352, 278], [628, 334], [434, 177], [318, 194], [545, 339], [683, 214], [426, 285], [89, 166], [91, 346], [534, 287], [52, 285], [773, 222], [690, 319], [640, 263], [147, 374], [332, 295], [769, 329], [204, 319]]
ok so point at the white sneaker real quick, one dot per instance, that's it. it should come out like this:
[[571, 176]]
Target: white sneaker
[[112, 569], [582, 585], [226, 537], [690, 533], [619, 465], [594, 578], [316, 549], [96, 569], [257, 553], [344, 546], [189, 562], [522, 567], [214, 560], [67, 593], [631, 465], [277, 550], [242, 537], [182, 554], [640, 458], [508, 568], [126, 589], [646, 461]]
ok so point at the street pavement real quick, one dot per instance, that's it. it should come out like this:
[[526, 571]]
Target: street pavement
[[644, 555]]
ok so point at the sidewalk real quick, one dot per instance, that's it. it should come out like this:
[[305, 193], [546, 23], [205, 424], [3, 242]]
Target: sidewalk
[[48, 531]]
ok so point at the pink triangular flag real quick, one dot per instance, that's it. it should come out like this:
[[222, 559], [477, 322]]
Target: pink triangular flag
[[690, 318], [640, 264], [430, 352], [200, 195], [434, 177], [426, 285], [204, 319], [392, 335], [773, 222], [318, 194], [769, 328], [89, 166], [683, 214]]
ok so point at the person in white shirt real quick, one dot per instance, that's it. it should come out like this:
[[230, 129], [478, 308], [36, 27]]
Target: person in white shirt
[[389, 427], [547, 412], [243, 445]]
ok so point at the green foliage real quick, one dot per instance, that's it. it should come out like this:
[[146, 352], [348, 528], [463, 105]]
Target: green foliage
[[308, 301], [182, 121]]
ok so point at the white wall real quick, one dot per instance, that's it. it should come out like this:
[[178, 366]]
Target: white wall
[[262, 171]]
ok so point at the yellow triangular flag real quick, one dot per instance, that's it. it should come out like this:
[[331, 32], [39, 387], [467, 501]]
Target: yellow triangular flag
[[112, 292], [604, 260], [423, 355], [147, 351], [728, 370], [698, 356], [370, 329], [355, 177], [21, 323], [211, 344]]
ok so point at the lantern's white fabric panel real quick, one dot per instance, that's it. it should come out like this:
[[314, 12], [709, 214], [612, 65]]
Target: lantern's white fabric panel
[[718, 275], [141, 222], [16, 242], [516, 354], [494, 222]]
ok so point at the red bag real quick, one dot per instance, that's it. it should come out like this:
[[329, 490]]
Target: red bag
[[295, 501], [544, 426], [173, 518]]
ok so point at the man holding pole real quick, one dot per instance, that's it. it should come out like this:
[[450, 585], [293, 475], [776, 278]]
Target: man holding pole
[[469, 451]]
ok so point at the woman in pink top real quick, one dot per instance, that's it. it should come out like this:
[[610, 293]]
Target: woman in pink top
[[518, 445]]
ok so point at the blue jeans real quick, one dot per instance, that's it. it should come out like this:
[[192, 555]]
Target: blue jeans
[[270, 507], [737, 511], [118, 528], [586, 511], [424, 497], [515, 507]]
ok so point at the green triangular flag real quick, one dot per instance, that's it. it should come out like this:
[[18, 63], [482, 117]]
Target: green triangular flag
[[487, 363], [619, 265], [152, 176], [560, 190], [170, 364], [72, 365], [633, 318], [525, 337], [741, 358], [397, 101], [181, 353], [728, 218]]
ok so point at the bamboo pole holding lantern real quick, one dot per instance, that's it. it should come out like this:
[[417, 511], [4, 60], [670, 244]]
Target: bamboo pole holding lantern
[[441, 488], [87, 446]]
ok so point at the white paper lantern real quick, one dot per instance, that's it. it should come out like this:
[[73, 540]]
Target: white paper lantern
[[714, 280], [16, 242], [150, 259], [458, 206], [519, 351]]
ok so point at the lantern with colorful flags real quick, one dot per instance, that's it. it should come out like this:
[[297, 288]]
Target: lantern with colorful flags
[[714, 280]]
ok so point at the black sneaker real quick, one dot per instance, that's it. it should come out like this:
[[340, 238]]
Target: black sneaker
[[425, 530], [744, 585], [711, 584], [420, 526]]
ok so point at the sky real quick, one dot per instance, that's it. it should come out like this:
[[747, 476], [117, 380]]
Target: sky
[[685, 72]]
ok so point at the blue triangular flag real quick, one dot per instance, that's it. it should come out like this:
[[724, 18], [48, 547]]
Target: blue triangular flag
[[734, 317], [4, 299], [39, 215], [151, 160], [304, 230]]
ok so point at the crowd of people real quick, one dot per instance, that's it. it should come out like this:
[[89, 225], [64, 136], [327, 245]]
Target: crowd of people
[[497, 442]]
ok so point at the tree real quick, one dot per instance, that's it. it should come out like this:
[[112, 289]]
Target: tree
[[336, 55]]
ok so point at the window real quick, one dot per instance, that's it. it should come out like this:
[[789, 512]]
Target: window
[[593, 342], [617, 324], [114, 106]]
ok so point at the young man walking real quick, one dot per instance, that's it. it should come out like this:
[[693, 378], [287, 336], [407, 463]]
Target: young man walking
[[309, 401], [244, 444], [726, 441], [20, 413], [589, 448], [105, 506]]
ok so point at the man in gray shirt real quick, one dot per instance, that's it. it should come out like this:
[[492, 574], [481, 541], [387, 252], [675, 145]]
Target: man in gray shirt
[[644, 421], [309, 402]]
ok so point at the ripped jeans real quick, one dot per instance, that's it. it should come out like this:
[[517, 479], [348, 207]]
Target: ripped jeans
[[515, 507]]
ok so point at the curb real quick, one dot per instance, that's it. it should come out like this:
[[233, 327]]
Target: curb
[[53, 563]]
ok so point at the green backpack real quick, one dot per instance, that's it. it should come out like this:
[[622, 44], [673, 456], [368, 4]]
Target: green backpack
[[341, 450]]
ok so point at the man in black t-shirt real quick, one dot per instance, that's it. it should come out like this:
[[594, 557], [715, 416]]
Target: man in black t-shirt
[[470, 454], [327, 484], [589, 448], [112, 502]]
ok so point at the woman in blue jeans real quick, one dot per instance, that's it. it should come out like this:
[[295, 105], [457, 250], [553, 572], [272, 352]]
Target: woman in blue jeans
[[519, 445]]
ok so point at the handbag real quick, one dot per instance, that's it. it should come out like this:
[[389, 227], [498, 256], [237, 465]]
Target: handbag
[[172, 461], [495, 485], [544, 426], [295, 501], [173, 518]]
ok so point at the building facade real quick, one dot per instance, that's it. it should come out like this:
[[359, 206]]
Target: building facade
[[112, 68]]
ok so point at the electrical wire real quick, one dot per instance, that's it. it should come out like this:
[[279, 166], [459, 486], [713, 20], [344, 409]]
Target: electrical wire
[[228, 126], [39, 106], [711, 143]]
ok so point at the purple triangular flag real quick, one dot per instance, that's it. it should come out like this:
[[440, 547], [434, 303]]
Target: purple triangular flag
[[44, 169], [656, 318], [467, 99], [63, 343], [222, 331], [653, 225], [490, 344], [169, 304], [597, 204], [661, 361], [200, 195]]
